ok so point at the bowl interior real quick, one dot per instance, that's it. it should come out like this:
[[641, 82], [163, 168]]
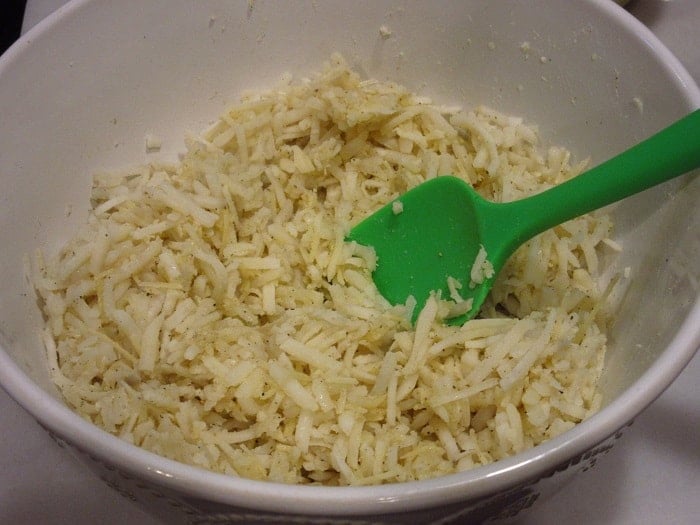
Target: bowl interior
[[82, 91]]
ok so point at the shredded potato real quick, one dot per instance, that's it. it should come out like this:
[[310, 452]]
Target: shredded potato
[[210, 310]]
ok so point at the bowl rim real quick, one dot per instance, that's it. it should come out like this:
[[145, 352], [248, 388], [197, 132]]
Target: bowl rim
[[376, 499]]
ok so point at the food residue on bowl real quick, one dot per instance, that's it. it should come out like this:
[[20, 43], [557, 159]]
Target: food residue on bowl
[[384, 31], [153, 143]]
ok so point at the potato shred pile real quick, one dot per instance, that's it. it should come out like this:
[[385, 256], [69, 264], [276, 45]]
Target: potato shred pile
[[211, 312]]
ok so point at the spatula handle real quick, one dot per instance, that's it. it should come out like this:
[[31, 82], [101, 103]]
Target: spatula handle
[[670, 153]]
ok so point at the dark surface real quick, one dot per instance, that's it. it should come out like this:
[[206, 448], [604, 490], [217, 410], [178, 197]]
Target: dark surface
[[11, 15]]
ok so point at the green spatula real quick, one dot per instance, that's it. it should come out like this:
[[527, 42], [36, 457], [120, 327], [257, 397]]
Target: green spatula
[[436, 230]]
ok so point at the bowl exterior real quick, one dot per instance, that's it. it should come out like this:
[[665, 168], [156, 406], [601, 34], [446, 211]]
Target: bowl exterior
[[177, 507]]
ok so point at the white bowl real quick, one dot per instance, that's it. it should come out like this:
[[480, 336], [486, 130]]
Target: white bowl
[[81, 91]]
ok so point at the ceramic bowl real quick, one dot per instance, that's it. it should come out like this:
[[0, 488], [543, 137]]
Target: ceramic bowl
[[81, 90]]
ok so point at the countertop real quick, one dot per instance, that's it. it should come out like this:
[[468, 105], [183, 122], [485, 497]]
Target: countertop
[[651, 476]]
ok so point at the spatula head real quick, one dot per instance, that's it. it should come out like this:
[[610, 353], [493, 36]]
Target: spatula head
[[422, 239]]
